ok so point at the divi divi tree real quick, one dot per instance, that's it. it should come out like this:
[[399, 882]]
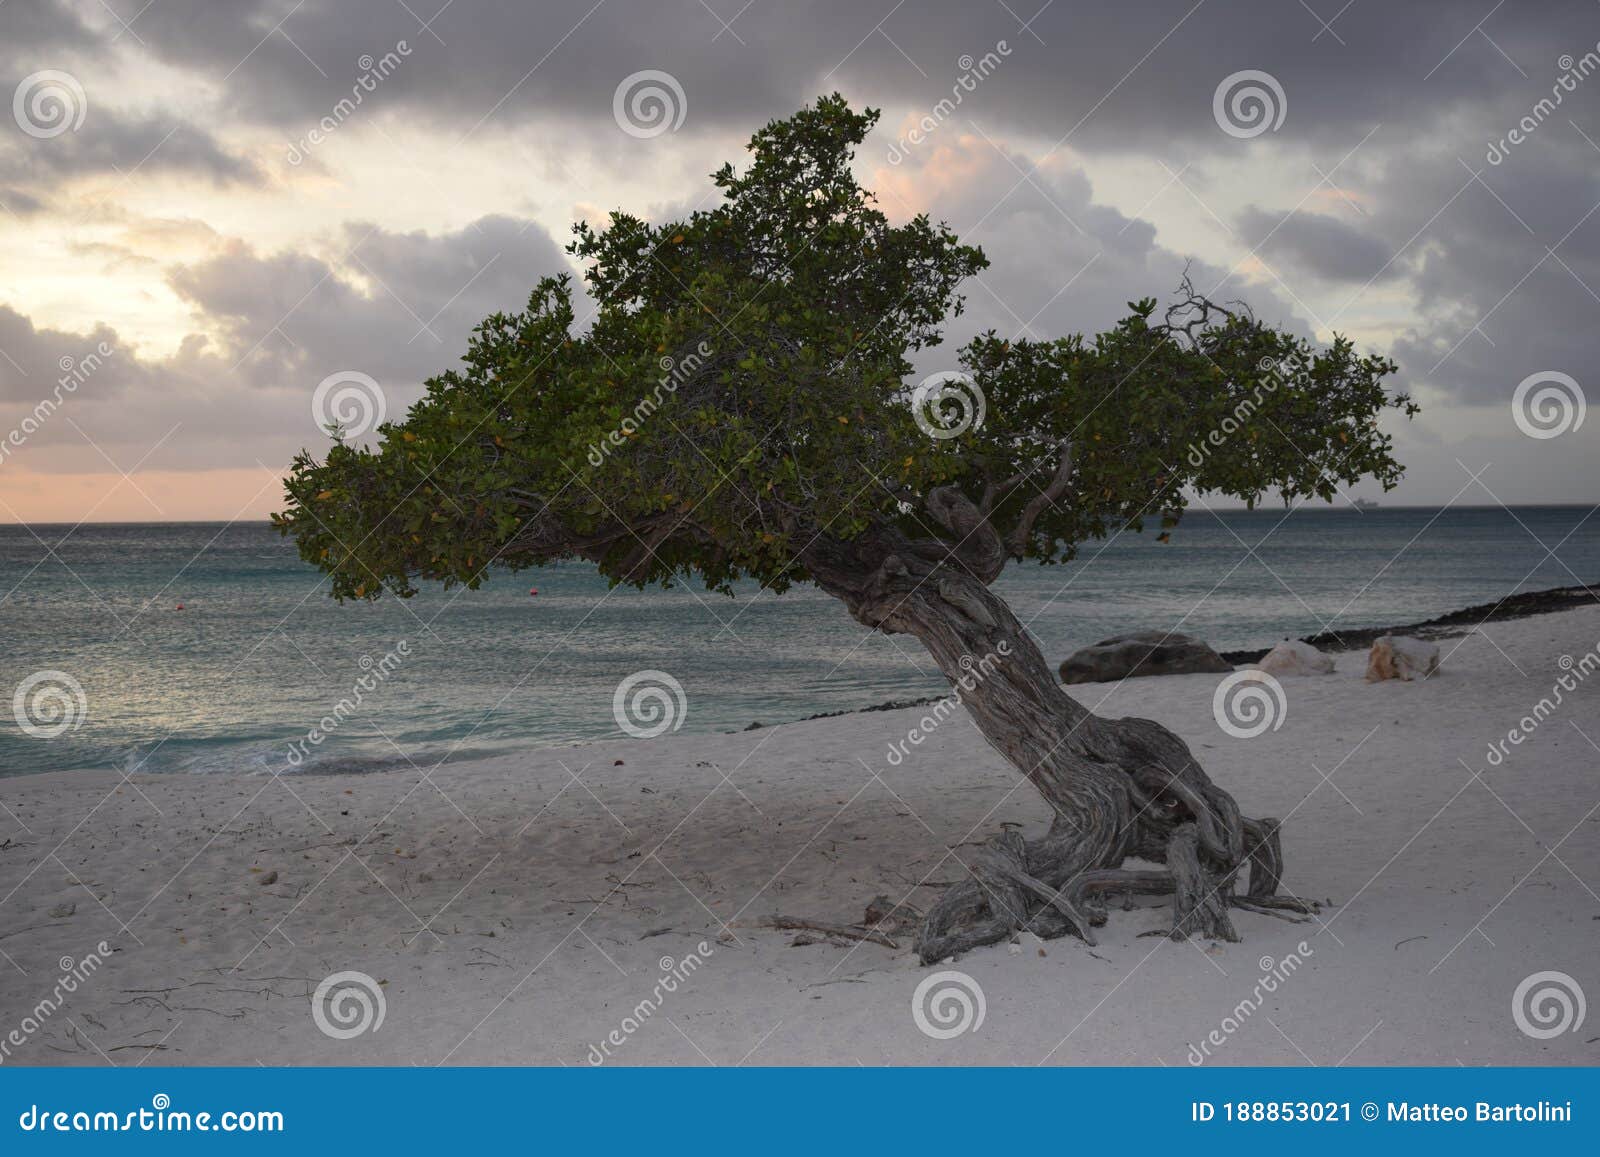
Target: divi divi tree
[[739, 405]]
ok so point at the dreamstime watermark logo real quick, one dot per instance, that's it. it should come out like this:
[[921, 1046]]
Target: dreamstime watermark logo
[[948, 404], [374, 673], [1572, 71], [49, 703], [1547, 1004], [1270, 382], [74, 373], [160, 1117], [348, 403], [947, 1004], [1249, 703], [973, 672], [649, 703], [373, 73], [347, 1004], [1548, 404], [972, 72], [648, 103], [1248, 103], [674, 372], [1273, 974], [74, 973], [1576, 671], [49, 103], [674, 975]]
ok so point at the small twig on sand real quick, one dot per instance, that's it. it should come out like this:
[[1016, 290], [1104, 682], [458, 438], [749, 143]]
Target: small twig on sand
[[796, 924], [20, 931]]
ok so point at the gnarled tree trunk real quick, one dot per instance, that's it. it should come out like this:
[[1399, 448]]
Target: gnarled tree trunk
[[1120, 788]]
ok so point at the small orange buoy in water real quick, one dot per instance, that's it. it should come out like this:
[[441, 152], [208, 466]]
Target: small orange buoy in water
[[533, 590], [180, 606]]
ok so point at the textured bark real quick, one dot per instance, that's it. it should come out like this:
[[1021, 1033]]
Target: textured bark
[[1119, 788]]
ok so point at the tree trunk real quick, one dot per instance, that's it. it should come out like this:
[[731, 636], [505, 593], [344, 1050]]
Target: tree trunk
[[1119, 788]]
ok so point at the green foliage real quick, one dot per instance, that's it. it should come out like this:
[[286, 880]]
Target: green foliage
[[1154, 411], [740, 388]]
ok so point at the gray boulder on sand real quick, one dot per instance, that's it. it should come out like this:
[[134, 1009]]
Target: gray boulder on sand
[[1141, 653], [1295, 657], [1401, 657]]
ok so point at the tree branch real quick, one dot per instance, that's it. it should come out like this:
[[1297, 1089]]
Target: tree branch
[[1193, 311], [995, 491], [977, 547], [1017, 540]]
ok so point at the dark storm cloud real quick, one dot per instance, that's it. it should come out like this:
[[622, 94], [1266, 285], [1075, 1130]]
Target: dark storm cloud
[[397, 307], [1509, 279], [1388, 111], [1060, 261], [47, 38], [1386, 99], [31, 28], [110, 143], [1318, 244], [19, 204], [35, 361], [69, 401], [1113, 75]]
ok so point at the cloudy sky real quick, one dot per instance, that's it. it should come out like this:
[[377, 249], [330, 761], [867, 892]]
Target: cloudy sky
[[211, 206]]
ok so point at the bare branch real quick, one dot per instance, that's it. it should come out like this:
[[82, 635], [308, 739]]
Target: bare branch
[[1193, 312]]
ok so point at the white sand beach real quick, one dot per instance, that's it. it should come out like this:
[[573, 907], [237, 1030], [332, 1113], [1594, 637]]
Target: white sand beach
[[518, 910]]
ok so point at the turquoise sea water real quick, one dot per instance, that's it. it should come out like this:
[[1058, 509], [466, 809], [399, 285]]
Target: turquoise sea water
[[260, 653]]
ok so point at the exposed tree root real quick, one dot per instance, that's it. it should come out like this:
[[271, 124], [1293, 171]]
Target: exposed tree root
[[1289, 908], [1199, 906], [1013, 889], [1059, 885], [1120, 789]]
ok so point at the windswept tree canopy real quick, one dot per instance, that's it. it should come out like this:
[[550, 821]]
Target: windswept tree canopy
[[743, 386]]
